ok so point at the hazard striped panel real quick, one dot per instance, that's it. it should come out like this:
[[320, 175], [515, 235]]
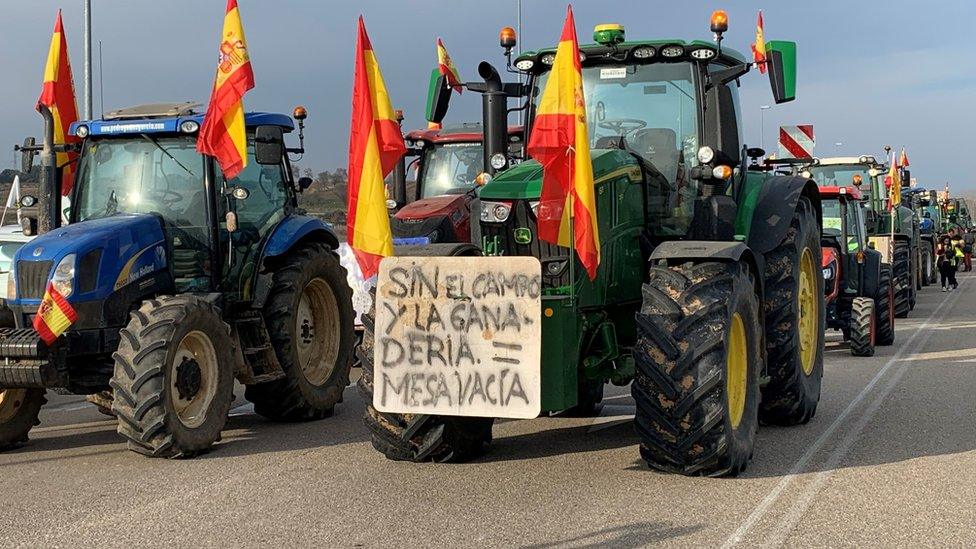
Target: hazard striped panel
[[796, 141]]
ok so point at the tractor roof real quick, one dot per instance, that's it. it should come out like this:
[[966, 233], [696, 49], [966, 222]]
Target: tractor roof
[[834, 192], [467, 132], [599, 53], [166, 118], [867, 160]]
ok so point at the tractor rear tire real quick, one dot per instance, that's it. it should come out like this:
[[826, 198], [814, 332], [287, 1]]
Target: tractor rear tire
[[174, 377], [698, 361], [18, 415], [794, 321], [929, 271], [417, 437], [310, 321], [884, 307], [902, 276], [863, 327]]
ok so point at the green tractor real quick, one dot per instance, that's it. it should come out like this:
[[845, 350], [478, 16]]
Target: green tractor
[[709, 298], [898, 239]]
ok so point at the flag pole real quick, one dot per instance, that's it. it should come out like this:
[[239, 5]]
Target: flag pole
[[572, 251]]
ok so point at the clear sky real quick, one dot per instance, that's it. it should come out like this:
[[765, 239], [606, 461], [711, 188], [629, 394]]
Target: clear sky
[[871, 73]]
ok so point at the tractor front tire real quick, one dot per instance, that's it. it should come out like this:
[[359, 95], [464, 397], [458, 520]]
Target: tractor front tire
[[698, 360], [794, 321], [18, 415], [902, 276], [863, 327], [174, 377], [884, 307], [417, 437], [311, 325]]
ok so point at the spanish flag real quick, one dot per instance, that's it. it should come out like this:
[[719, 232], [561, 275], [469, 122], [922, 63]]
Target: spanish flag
[[894, 180], [58, 95], [759, 47], [54, 316], [903, 159], [446, 65], [560, 142], [375, 146], [222, 135]]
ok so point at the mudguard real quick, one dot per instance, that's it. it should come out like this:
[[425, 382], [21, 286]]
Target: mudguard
[[872, 272], [774, 210], [296, 228]]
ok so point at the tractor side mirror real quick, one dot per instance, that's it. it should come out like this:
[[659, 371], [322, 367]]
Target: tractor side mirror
[[27, 153], [438, 97], [269, 144], [781, 62], [304, 183]]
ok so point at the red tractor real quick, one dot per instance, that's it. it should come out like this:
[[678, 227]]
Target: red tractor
[[857, 284], [450, 167]]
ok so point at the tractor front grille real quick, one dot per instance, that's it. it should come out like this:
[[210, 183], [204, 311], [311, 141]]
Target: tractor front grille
[[554, 259], [32, 278]]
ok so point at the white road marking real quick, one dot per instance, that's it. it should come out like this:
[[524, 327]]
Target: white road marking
[[242, 410], [804, 501], [71, 407]]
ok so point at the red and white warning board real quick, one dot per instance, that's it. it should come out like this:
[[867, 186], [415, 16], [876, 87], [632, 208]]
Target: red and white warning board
[[796, 141]]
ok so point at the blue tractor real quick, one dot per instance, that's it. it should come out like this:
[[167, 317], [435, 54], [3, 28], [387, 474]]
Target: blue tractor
[[181, 282]]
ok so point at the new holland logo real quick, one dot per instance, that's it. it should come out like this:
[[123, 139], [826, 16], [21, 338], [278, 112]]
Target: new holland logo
[[523, 235]]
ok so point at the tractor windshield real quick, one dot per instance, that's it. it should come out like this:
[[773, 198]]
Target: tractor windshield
[[142, 174], [840, 175], [832, 217], [450, 168], [653, 107]]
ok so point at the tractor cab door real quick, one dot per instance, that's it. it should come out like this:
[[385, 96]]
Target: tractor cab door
[[856, 238], [260, 197]]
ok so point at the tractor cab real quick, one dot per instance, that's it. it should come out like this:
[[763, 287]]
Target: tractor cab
[[448, 164]]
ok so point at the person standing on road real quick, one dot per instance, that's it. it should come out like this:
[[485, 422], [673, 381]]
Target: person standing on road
[[955, 260], [968, 240], [945, 268]]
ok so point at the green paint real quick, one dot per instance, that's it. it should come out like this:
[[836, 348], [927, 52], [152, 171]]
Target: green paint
[[523, 235]]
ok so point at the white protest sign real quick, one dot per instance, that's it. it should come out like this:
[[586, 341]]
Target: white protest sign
[[458, 336]]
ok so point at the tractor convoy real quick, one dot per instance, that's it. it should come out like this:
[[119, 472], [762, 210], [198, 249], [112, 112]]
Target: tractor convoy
[[707, 300]]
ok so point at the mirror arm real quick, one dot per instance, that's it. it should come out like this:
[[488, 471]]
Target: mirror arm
[[725, 76]]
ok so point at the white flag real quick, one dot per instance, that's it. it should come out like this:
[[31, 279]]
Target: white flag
[[14, 195]]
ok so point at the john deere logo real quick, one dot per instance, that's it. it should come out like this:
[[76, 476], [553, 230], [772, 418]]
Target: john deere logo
[[523, 235]]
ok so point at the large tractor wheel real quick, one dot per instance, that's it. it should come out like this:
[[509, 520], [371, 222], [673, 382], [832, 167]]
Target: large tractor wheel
[[794, 309], [18, 415], [930, 272], [174, 377], [902, 273], [862, 327], [884, 307], [310, 321], [699, 357], [407, 437]]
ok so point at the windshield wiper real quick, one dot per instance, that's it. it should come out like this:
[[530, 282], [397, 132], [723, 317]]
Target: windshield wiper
[[167, 153]]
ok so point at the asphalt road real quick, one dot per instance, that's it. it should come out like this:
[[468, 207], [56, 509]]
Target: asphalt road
[[889, 460]]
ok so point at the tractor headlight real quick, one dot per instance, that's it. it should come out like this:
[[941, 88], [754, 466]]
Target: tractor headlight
[[524, 64], [672, 51], [706, 154], [828, 272], [643, 52], [498, 161], [12, 282], [63, 279], [548, 59], [81, 131], [495, 212], [189, 126]]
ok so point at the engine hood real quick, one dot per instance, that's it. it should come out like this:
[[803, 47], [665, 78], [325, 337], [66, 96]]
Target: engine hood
[[118, 233], [432, 207], [524, 181]]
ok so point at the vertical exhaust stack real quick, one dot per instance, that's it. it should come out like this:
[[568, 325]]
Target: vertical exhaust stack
[[49, 195], [494, 111]]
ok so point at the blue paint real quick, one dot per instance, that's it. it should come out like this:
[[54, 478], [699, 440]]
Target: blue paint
[[412, 241], [291, 230], [172, 124]]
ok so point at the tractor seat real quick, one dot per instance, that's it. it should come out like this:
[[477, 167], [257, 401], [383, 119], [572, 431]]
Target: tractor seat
[[659, 147]]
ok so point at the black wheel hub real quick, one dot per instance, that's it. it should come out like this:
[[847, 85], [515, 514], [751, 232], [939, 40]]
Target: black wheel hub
[[188, 378], [307, 332]]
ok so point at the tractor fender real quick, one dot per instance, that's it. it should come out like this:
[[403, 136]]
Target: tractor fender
[[676, 251], [872, 272], [295, 229], [774, 210]]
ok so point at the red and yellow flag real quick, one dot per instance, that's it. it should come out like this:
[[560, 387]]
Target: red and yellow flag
[[759, 46], [894, 181], [446, 65], [375, 146], [903, 159], [560, 143], [223, 135], [58, 95], [54, 315]]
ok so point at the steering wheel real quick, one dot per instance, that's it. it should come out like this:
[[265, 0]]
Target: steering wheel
[[622, 126], [165, 197]]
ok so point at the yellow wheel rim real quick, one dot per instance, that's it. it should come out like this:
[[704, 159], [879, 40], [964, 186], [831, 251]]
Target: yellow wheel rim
[[737, 370], [10, 402], [807, 311]]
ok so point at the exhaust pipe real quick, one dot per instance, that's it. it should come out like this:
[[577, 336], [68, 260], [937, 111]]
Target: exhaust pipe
[[494, 112], [49, 195]]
